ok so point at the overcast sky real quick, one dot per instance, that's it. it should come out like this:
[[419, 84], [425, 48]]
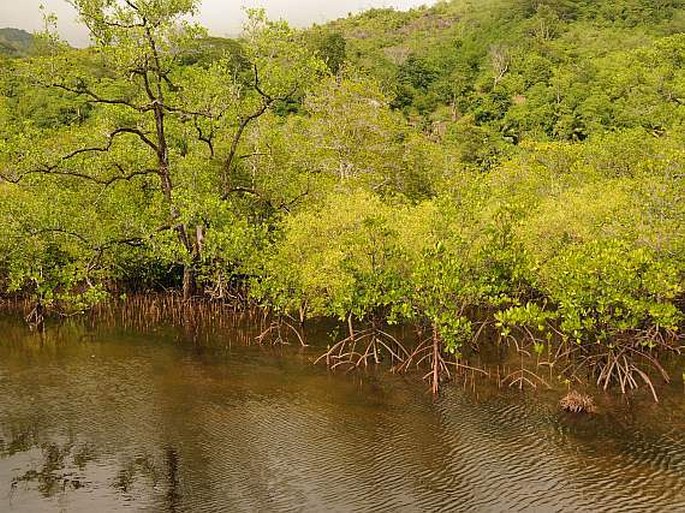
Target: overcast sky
[[221, 17]]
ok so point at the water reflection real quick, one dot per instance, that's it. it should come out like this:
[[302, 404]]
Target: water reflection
[[104, 419], [139, 468], [62, 468]]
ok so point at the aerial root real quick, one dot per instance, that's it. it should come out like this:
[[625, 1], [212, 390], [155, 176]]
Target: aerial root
[[429, 351], [36, 318], [625, 366], [522, 377], [277, 333], [359, 349]]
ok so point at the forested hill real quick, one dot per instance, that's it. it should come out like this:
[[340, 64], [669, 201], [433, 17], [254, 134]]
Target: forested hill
[[15, 42], [508, 70]]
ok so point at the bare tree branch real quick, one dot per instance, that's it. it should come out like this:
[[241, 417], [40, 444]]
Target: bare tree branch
[[42, 231], [82, 90], [110, 140], [244, 123], [54, 171], [208, 139], [268, 101]]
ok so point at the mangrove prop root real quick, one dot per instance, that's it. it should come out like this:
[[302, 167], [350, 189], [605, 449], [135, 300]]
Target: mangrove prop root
[[276, 333], [361, 348], [522, 377], [36, 318], [430, 353], [625, 366], [437, 364]]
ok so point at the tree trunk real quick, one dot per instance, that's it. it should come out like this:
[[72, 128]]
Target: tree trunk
[[190, 287], [436, 361], [189, 282], [36, 319]]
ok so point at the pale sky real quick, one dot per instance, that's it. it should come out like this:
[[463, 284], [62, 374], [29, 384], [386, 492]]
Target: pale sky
[[221, 17]]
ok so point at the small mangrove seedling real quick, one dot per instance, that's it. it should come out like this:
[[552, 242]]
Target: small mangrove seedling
[[575, 402]]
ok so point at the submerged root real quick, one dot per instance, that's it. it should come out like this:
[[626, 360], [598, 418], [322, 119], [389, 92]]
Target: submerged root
[[575, 402]]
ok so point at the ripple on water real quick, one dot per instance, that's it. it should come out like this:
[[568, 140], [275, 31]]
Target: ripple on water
[[152, 425]]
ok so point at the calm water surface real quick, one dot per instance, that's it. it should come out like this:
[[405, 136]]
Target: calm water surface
[[104, 419]]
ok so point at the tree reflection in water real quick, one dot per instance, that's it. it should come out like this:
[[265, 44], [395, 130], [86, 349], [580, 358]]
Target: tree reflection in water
[[142, 470], [61, 470], [63, 467], [173, 495]]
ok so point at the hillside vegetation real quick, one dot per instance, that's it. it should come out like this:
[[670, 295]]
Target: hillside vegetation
[[15, 42], [509, 71], [508, 165]]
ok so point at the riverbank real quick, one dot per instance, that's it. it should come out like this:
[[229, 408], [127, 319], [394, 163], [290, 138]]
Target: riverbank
[[352, 347]]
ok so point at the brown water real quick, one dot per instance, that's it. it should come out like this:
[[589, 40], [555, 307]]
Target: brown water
[[112, 420]]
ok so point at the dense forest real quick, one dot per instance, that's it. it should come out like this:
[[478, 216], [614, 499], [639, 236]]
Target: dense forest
[[514, 165]]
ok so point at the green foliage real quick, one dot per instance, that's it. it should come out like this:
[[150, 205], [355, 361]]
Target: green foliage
[[515, 71], [600, 227], [338, 259], [604, 289], [142, 140], [331, 47], [359, 255]]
